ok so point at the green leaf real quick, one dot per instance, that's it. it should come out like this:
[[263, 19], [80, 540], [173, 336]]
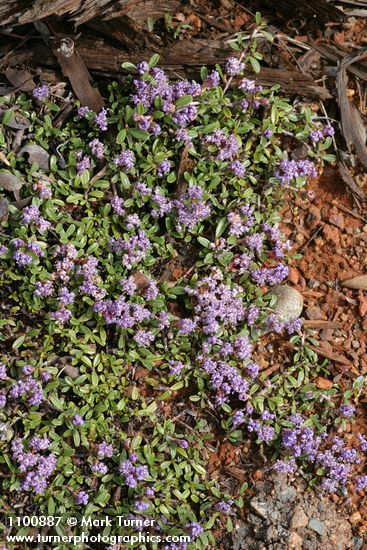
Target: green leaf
[[221, 227], [18, 342], [184, 100], [121, 136], [153, 60], [128, 66], [255, 65]]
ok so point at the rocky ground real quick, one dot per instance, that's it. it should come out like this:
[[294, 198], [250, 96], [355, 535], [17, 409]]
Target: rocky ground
[[287, 515]]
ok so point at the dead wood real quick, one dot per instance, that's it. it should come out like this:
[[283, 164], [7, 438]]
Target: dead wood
[[352, 122], [73, 67], [349, 181]]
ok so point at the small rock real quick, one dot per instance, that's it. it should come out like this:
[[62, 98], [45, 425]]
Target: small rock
[[359, 282], [323, 383], [357, 543], [295, 542], [313, 312], [317, 526], [331, 234], [299, 518], [338, 220], [355, 518], [326, 334], [261, 508], [293, 275], [285, 494], [362, 307], [289, 302]]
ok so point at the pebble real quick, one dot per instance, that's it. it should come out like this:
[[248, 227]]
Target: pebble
[[299, 518], [289, 302], [313, 312], [317, 526], [355, 518], [326, 334], [295, 542], [357, 543], [261, 508], [288, 494]]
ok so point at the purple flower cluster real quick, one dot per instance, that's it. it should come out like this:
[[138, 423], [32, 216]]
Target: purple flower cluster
[[212, 80], [134, 250], [217, 304], [41, 92], [270, 275], [131, 472], [37, 468], [32, 215], [163, 168], [126, 160], [43, 189], [233, 66], [227, 145], [83, 164], [100, 120], [105, 450], [319, 134], [153, 91], [336, 460], [265, 432], [289, 170], [82, 498], [191, 208], [97, 148], [28, 388]]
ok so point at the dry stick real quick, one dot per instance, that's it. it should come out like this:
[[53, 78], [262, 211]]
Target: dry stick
[[312, 237], [341, 207]]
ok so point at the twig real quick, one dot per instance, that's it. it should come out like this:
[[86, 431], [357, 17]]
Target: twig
[[312, 237], [341, 207]]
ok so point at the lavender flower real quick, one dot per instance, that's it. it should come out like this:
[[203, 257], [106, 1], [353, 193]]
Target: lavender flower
[[3, 375], [237, 168], [163, 168], [195, 529], [224, 507], [361, 483], [99, 468], [83, 111], [100, 120], [125, 160], [132, 473], [97, 148], [83, 164], [212, 80], [238, 418], [105, 450], [346, 411], [41, 92], [77, 420], [61, 315], [66, 297], [82, 498], [233, 66]]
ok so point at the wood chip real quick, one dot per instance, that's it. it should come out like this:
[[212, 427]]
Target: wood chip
[[352, 123], [73, 67], [359, 282]]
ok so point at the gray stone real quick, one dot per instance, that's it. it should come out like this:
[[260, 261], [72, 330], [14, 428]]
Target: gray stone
[[289, 303], [299, 518], [261, 508], [357, 543], [285, 493], [317, 526]]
